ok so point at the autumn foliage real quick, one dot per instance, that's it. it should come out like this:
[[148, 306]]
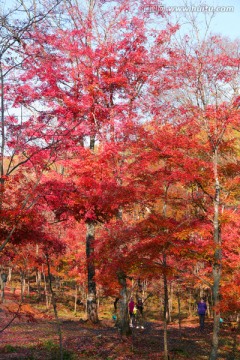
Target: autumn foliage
[[130, 131]]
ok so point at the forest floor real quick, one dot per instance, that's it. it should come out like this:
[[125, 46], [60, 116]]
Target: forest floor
[[33, 336]]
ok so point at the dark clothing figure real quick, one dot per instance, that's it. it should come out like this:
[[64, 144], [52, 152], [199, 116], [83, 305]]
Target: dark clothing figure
[[202, 308], [140, 306], [140, 319], [201, 321]]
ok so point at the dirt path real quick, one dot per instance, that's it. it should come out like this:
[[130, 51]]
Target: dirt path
[[35, 341]]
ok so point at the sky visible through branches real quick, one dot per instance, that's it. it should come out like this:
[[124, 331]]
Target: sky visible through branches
[[225, 22]]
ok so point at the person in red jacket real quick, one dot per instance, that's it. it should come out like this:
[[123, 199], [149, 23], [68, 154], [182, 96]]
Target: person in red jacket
[[202, 308], [131, 305]]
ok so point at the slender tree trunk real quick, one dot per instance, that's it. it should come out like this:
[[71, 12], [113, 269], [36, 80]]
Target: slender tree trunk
[[47, 296], [144, 288], [9, 274], [139, 289], [75, 299], [123, 321], [2, 126], [170, 302], [179, 314], [208, 308], [38, 280], [2, 149], [211, 304], [38, 274], [217, 262], [165, 286], [54, 303], [28, 284], [23, 285], [165, 307], [2, 290], [92, 310], [190, 309]]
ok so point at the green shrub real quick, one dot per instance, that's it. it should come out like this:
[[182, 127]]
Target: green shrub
[[54, 350], [9, 349]]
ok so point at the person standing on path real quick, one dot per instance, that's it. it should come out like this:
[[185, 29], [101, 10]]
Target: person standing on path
[[140, 313], [131, 305], [202, 308]]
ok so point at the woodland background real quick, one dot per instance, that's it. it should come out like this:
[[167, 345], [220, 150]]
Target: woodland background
[[119, 177]]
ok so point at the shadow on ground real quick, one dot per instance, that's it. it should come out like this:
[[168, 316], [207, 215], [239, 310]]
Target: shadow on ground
[[38, 341]]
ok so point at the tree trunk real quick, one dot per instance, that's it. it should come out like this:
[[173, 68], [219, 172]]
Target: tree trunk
[[47, 295], [54, 303], [217, 262], [165, 308], [123, 321], [190, 307], [10, 274], [23, 285], [139, 289], [208, 308], [179, 314], [38, 280], [2, 132], [2, 289], [2, 149], [92, 310], [170, 303], [144, 288], [75, 299]]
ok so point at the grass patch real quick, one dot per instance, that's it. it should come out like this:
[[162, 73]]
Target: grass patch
[[54, 351], [9, 349], [180, 351]]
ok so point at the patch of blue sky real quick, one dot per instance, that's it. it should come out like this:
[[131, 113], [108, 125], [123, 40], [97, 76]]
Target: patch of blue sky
[[226, 19]]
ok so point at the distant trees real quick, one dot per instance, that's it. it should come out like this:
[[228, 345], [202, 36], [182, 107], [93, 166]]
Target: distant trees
[[212, 114]]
